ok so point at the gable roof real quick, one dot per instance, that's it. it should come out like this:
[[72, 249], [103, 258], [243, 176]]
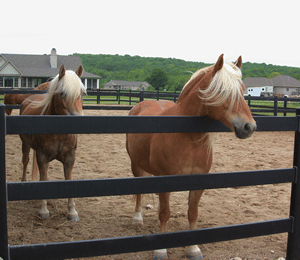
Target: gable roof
[[279, 81], [126, 83], [285, 81], [257, 82], [39, 65]]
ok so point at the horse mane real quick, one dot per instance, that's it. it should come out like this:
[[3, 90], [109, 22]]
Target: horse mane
[[225, 85], [70, 86]]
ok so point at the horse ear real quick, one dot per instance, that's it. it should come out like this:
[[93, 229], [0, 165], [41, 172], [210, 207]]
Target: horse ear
[[79, 71], [238, 63], [62, 72], [219, 64]]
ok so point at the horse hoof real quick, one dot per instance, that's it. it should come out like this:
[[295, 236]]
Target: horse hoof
[[73, 218], [195, 257], [44, 214], [138, 219], [160, 254], [195, 253]]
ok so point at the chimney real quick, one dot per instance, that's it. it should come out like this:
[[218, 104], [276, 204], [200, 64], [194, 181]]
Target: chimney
[[53, 59]]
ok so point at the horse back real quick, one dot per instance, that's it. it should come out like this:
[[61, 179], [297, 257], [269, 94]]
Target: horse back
[[151, 107]]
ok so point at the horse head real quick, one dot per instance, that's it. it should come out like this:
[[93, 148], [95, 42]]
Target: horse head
[[66, 91], [222, 96]]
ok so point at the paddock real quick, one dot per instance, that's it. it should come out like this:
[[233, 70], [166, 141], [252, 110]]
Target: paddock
[[105, 156]]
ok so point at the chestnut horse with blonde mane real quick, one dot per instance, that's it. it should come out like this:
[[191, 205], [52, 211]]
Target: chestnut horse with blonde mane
[[215, 91], [17, 99], [64, 97]]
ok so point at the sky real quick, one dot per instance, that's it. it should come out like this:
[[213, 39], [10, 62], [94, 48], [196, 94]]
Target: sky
[[193, 30]]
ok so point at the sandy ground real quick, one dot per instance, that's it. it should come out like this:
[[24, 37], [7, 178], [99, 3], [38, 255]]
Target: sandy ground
[[105, 156]]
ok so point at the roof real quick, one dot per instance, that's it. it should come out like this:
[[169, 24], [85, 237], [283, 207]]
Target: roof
[[39, 65], [279, 81], [126, 83], [285, 81], [257, 82]]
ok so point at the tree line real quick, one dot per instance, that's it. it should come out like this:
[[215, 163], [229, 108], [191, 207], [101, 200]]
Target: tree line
[[166, 73]]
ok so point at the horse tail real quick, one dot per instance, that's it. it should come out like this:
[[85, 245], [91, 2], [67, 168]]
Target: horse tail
[[34, 173]]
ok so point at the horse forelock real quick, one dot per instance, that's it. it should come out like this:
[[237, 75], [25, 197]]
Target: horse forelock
[[225, 85], [70, 86]]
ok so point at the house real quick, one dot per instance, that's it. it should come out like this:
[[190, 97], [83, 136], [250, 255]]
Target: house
[[286, 86], [28, 71], [281, 86], [126, 85], [258, 86]]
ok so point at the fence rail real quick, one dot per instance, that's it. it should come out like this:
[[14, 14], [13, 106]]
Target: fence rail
[[108, 187]]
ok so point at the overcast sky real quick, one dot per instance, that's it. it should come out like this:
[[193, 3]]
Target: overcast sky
[[192, 30]]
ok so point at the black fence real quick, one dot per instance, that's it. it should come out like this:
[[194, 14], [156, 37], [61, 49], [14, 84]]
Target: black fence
[[131, 97], [109, 187]]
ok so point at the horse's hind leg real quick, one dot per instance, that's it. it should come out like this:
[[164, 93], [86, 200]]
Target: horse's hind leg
[[194, 252], [25, 159], [138, 219]]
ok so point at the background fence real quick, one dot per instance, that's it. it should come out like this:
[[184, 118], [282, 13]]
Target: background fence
[[258, 105]]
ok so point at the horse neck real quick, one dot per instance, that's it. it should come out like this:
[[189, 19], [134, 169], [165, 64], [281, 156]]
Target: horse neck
[[189, 102], [55, 107]]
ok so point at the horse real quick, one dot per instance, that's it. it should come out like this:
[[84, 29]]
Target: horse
[[64, 97], [215, 91], [17, 99]]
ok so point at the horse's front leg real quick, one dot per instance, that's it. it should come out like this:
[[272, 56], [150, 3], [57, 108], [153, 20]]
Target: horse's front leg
[[164, 215], [43, 167], [194, 252], [68, 167]]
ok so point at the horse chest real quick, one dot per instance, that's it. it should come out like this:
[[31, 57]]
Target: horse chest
[[55, 146], [181, 156]]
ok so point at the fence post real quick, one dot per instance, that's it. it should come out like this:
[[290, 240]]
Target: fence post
[[141, 95], [285, 105], [275, 105], [4, 251], [98, 96], [293, 246]]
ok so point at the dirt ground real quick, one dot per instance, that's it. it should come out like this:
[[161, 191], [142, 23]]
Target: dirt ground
[[105, 156]]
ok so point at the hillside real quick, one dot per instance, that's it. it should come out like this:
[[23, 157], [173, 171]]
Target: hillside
[[176, 71]]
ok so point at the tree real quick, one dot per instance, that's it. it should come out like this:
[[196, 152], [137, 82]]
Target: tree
[[158, 78]]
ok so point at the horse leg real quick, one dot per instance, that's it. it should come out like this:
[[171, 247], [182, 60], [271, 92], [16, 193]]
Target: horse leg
[[194, 252], [34, 173], [43, 167], [138, 219], [164, 215], [68, 167], [25, 159]]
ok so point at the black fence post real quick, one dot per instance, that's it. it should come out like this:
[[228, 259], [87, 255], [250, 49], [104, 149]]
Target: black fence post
[[141, 95], [293, 246], [98, 96], [4, 251], [118, 96], [130, 96], [275, 105], [285, 105]]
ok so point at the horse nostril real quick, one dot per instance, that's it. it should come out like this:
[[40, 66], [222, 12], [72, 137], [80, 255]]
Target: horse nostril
[[247, 127]]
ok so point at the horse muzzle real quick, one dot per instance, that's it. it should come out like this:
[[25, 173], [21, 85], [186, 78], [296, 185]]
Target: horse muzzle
[[244, 130]]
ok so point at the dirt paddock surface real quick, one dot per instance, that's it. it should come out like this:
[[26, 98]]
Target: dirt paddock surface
[[105, 156]]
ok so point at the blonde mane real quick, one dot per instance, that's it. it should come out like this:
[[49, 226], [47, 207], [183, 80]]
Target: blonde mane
[[225, 85], [70, 86]]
